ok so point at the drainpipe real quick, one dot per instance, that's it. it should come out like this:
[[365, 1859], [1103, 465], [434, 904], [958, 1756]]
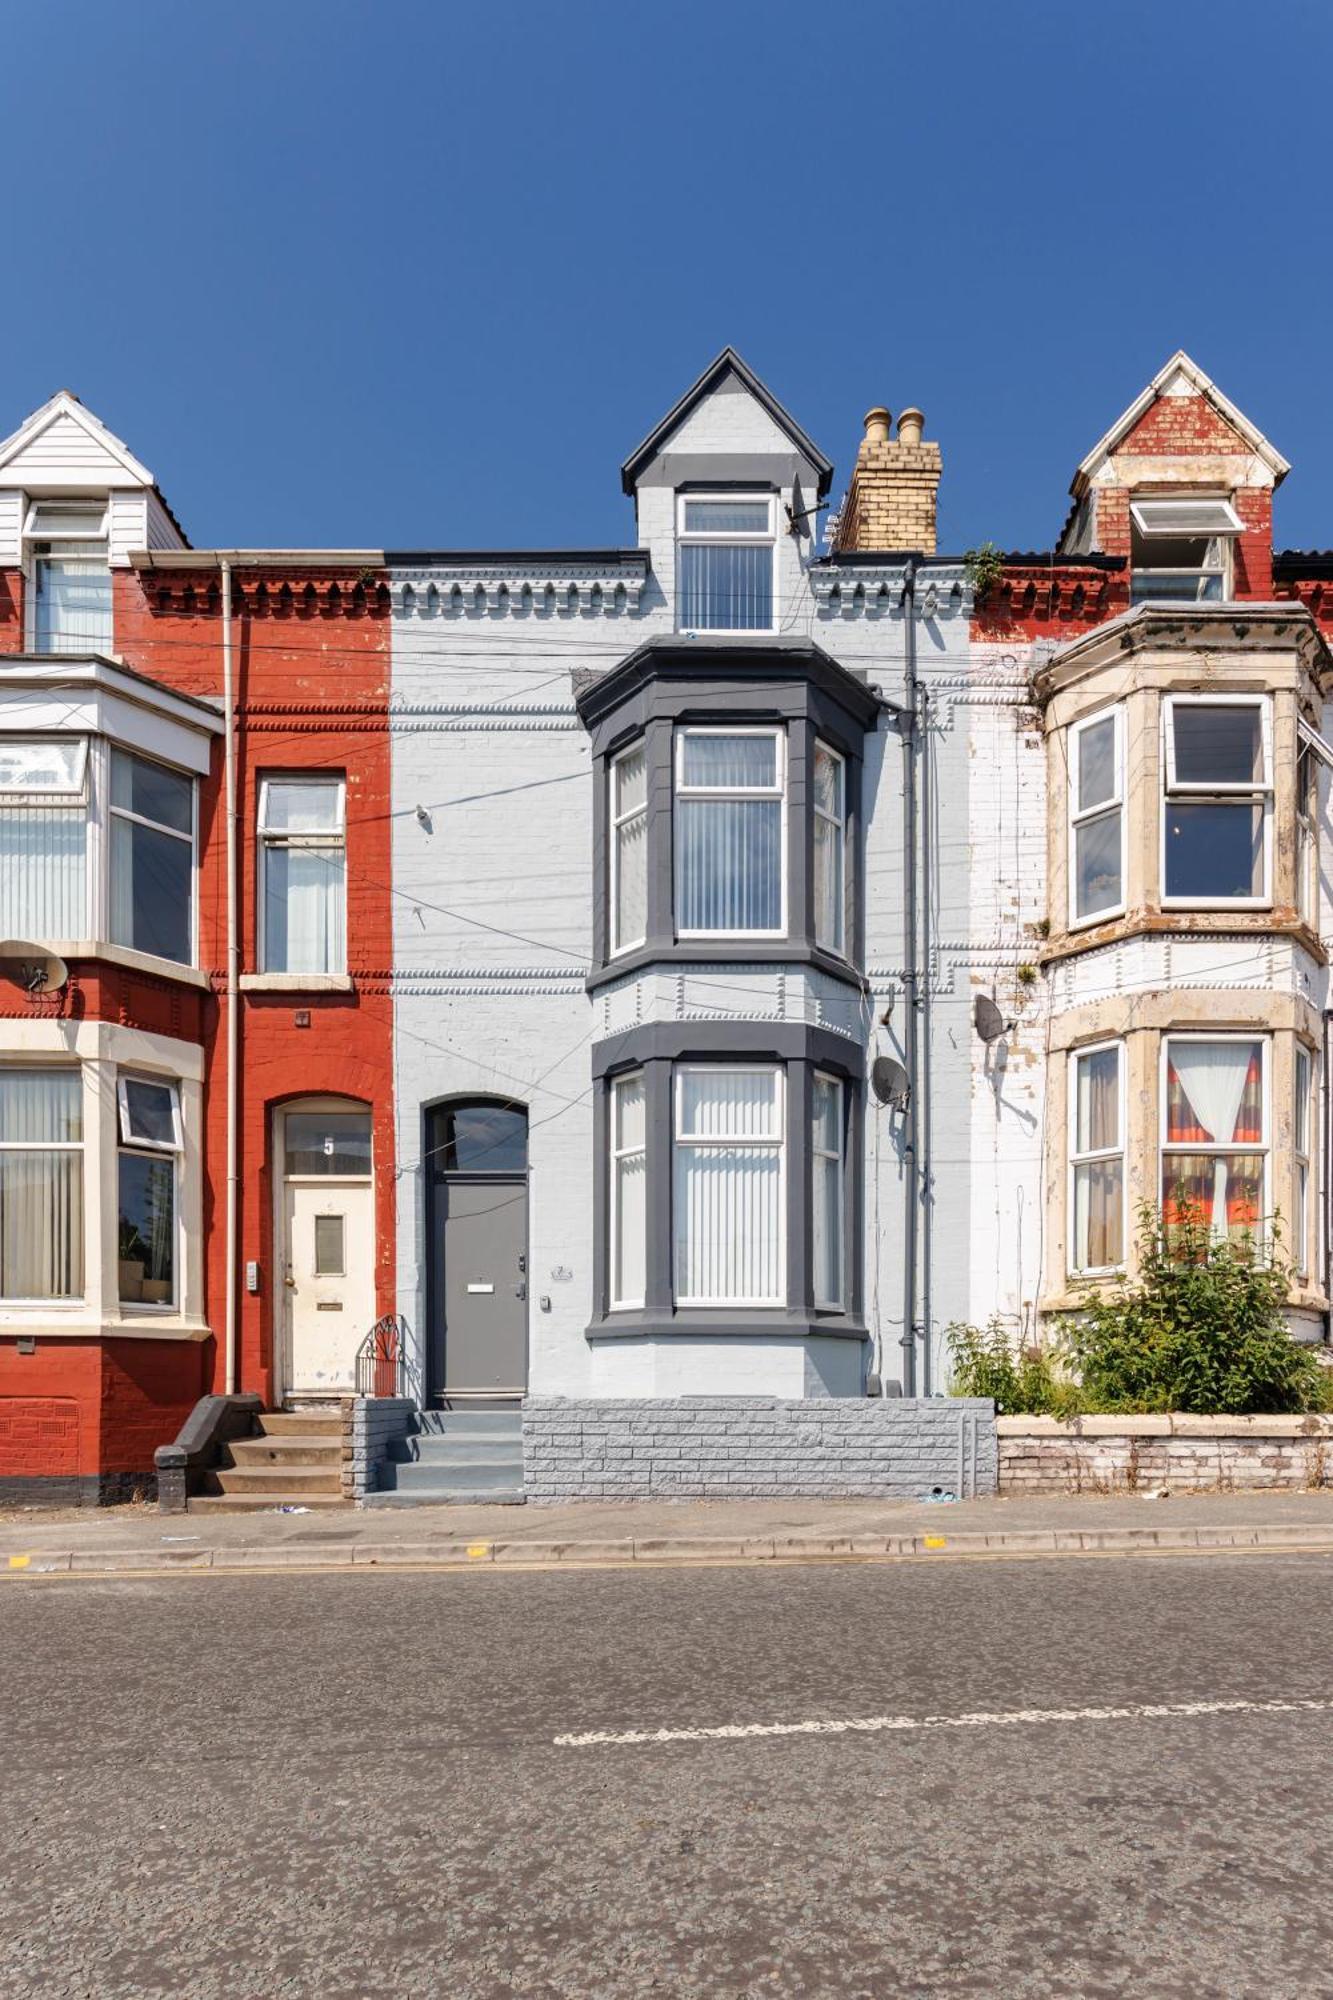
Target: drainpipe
[[926, 1177], [233, 977], [911, 981]]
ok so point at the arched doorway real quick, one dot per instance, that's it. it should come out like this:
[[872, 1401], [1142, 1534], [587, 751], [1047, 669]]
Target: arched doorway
[[326, 1236], [476, 1176]]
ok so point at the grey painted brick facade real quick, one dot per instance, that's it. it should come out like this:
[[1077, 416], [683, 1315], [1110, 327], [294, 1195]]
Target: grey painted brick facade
[[735, 1447], [376, 1422]]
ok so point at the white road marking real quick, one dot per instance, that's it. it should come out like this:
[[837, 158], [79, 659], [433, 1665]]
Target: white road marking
[[872, 1725]]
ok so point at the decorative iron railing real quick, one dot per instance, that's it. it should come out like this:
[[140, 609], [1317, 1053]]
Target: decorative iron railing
[[379, 1359]]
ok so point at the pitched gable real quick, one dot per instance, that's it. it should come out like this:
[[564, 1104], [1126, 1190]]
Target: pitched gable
[[728, 409], [62, 444]]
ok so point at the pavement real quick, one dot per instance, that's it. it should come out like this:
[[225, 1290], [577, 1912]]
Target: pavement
[[93, 1540], [998, 1779]]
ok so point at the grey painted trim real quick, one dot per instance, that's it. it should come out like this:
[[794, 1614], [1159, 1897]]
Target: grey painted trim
[[670, 656], [716, 1040], [729, 951], [801, 1048], [728, 362]]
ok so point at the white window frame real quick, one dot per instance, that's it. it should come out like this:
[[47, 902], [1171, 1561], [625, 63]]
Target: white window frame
[[777, 1140], [127, 1137], [1264, 1148], [731, 537], [778, 790], [74, 793], [617, 821], [114, 748], [72, 544], [616, 1153], [1302, 1125], [270, 838], [1307, 831], [1150, 515], [1092, 1155], [839, 1158], [62, 1302], [1222, 794], [1079, 817], [838, 822]]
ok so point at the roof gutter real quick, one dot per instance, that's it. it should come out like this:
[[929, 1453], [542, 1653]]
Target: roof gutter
[[211, 559]]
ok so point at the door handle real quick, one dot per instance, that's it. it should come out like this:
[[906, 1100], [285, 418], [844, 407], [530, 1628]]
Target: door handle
[[290, 1284], [520, 1291]]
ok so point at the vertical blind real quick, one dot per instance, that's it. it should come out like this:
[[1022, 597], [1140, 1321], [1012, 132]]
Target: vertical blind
[[728, 1186], [725, 587], [73, 605], [729, 796], [41, 1184], [629, 1192], [826, 1150], [43, 871], [629, 811]]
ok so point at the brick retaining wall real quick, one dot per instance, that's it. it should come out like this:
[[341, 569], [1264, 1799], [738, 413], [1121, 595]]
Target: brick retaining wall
[[1180, 1453], [369, 1427], [738, 1447]]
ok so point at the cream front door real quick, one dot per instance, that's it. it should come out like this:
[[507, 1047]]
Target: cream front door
[[329, 1282]]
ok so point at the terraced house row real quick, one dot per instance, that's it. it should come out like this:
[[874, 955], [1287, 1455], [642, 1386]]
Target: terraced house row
[[653, 990]]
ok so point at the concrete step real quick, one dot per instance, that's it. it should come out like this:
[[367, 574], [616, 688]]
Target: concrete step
[[252, 1503], [301, 1423], [286, 1450], [468, 1450], [446, 1481], [280, 1482], [470, 1423]]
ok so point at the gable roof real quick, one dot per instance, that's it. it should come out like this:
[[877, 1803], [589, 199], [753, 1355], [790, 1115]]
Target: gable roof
[[727, 363], [65, 413], [1180, 368]]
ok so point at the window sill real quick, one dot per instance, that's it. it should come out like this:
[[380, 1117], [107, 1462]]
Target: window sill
[[742, 950], [50, 1323], [133, 961], [297, 982], [724, 1323]]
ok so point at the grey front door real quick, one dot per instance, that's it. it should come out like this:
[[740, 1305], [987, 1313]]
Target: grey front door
[[481, 1287]]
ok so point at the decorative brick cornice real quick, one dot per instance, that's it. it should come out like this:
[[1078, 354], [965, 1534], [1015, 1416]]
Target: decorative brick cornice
[[873, 588], [513, 588]]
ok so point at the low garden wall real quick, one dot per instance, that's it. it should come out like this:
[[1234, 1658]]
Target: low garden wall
[[1180, 1454], [756, 1447]]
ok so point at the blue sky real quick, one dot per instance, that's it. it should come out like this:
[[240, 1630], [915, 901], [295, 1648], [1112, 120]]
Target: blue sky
[[415, 274]]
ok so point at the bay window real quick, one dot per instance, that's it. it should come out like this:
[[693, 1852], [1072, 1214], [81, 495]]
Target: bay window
[[1097, 1158], [152, 857], [826, 1235], [303, 874], [629, 1189], [43, 837], [1214, 1133], [829, 792], [730, 826], [724, 562], [41, 1184], [70, 576], [629, 847], [1097, 817], [150, 1147], [728, 1185], [1218, 766]]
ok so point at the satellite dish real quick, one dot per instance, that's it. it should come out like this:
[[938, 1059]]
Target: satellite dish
[[890, 1082], [33, 969], [989, 1022]]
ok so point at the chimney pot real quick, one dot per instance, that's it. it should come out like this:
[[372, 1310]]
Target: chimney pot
[[910, 426], [877, 422]]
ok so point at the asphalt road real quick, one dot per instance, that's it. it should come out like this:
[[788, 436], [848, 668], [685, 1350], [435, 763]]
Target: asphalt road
[[351, 1785]]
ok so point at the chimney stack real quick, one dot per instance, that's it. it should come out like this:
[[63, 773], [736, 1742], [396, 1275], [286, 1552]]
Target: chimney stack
[[891, 501]]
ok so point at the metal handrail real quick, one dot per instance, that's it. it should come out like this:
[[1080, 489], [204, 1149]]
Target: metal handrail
[[380, 1358]]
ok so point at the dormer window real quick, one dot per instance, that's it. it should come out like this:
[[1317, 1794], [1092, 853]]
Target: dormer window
[[69, 576], [724, 562], [1180, 550]]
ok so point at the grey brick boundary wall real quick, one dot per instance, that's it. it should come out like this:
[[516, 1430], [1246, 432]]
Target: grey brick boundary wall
[[375, 1421], [738, 1447], [1180, 1454]]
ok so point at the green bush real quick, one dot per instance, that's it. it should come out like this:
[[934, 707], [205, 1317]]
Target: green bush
[[1026, 1383], [1201, 1330]]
